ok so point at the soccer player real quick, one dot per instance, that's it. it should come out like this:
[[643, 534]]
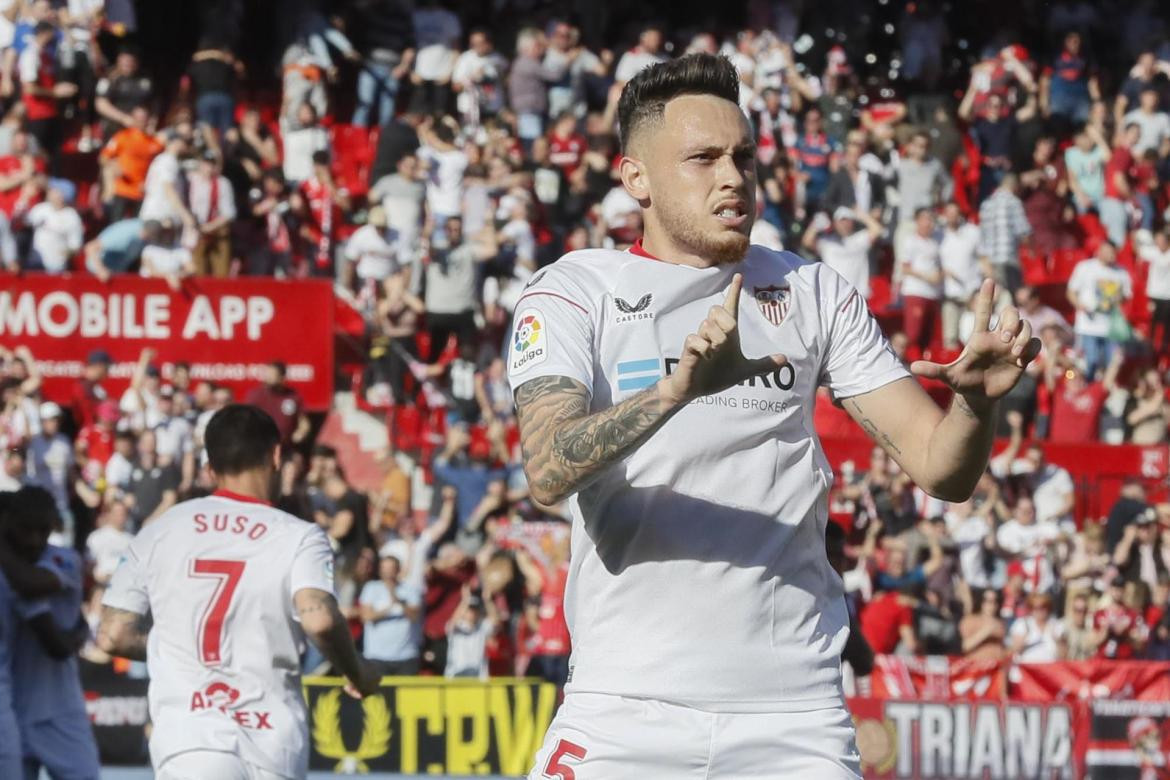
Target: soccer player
[[706, 621], [47, 699], [231, 583]]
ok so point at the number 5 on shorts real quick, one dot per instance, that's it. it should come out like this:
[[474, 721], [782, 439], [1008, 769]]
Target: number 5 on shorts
[[554, 767], [211, 625]]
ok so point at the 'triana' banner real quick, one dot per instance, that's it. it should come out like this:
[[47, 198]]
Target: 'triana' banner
[[226, 329]]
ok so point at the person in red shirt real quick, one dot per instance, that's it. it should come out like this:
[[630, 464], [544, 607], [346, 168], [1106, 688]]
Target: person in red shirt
[[95, 442], [887, 620], [19, 189], [545, 613], [282, 403], [1118, 630], [566, 145], [323, 204], [88, 393], [1076, 407], [40, 88], [445, 578], [1119, 184]]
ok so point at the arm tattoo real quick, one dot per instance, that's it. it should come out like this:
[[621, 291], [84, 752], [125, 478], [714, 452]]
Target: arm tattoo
[[965, 407], [878, 436], [337, 643], [564, 446], [123, 633]]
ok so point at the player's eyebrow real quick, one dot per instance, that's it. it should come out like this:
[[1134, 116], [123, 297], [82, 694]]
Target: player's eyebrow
[[745, 147]]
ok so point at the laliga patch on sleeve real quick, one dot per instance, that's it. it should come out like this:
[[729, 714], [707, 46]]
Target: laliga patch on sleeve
[[529, 341]]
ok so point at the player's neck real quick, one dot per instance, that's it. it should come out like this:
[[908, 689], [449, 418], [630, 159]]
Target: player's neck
[[658, 244], [247, 484]]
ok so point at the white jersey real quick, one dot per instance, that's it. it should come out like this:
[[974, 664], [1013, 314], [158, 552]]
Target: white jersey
[[218, 575], [698, 572]]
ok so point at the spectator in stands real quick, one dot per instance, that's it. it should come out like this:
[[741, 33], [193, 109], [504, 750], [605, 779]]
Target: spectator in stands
[[42, 90], [212, 203], [467, 471], [995, 135], [922, 283], [301, 141], [118, 247], [528, 85], [1119, 184], [122, 90], [852, 185], [1070, 84], [887, 623], [126, 160], [445, 163], [1078, 627], [375, 256], [478, 79], [344, 514], [120, 466], [647, 52], [1139, 556], [1097, 290], [402, 195], [162, 194], [474, 622], [282, 403], [1028, 542], [1003, 228], [814, 156], [1038, 637], [1045, 187], [1086, 160], [1118, 630], [579, 69], [90, 392], [1156, 252], [1148, 70], [1153, 124], [57, 229], [153, 487], [13, 474], [271, 208], [844, 248], [108, 542], [391, 610], [922, 184], [1147, 412], [51, 463], [437, 34], [959, 262], [450, 284], [213, 71], [167, 259], [982, 630], [446, 576], [383, 33], [19, 176]]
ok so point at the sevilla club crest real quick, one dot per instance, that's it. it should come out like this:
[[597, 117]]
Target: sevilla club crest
[[773, 301]]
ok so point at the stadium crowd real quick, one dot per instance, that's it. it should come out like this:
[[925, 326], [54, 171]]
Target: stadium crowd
[[472, 157]]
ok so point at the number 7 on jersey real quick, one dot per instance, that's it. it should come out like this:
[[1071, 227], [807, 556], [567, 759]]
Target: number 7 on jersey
[[211, 625]]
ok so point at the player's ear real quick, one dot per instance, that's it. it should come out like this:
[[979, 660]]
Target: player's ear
[[634, 178], [276, 457]]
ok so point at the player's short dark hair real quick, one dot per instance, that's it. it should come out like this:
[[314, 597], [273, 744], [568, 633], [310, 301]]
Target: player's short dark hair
[[31, 506], [280, 367], [645, 96], [240, 437]]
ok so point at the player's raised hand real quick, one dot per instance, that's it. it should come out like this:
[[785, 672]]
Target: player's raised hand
[[368, 682], [712, 359], [993, 360]]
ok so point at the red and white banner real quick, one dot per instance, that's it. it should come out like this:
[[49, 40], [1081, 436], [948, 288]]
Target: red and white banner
[[1129, 739], [226, 329], [937, 677], [921, 739], [1084, 680]]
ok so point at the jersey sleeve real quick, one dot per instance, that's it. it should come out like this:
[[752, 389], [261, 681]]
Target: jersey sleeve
[[857, 358], [312, 565], [127, 588], [552, 332]]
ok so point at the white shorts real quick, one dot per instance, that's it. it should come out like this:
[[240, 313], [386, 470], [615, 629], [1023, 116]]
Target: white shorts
[[602, 737], [64, 745], [205, 764]]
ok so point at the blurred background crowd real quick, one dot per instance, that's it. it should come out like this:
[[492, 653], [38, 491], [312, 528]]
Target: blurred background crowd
[[429, 157]]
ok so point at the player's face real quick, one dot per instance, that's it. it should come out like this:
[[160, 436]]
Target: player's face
[[28, 539], [700, 167]]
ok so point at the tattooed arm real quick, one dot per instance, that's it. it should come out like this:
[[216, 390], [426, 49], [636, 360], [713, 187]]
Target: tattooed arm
[[327, 628], [123, 633], [565, 447]]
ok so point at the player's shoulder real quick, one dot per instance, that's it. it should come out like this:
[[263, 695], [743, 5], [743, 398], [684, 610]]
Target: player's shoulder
[[584, 275], [788, 268]]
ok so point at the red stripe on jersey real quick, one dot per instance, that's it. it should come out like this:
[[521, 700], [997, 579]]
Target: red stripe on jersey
[[640, 251], [221, 493], [553, 294]]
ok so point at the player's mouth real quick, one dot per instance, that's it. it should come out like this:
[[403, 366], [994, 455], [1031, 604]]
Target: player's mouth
[[731, 213]]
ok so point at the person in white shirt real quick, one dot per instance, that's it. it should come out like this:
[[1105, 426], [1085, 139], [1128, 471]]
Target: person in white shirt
[[445, 163], [845, 249], [1156, 252], [57, 231], [225, 692], [1097, 289], [958, 252], [1038, 637], [162, 198], [373, 253], [166, 259], [437, 32], [478, 79], [300, 142], [1027, 541], [213, 204], [1154, 124], [666, 394], [470, 627], [646, 53], [922, 282], [109, 541]]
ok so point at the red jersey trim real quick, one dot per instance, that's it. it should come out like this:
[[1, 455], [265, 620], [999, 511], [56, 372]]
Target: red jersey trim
[[640, 251], [221, 493], [567, 300]]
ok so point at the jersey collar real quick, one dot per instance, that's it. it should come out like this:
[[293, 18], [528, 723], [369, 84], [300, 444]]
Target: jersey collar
[[638, 250], [221, 493]]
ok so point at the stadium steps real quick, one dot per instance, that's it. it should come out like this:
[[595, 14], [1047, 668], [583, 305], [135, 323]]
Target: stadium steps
[[361, 440]]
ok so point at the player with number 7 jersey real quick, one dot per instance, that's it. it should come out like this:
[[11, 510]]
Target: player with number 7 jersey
[[233, 586]]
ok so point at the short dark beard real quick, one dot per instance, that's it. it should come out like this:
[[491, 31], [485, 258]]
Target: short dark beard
[[730, 247]]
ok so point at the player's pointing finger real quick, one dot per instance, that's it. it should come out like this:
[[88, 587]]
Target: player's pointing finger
[[731, 302], [983, 305]]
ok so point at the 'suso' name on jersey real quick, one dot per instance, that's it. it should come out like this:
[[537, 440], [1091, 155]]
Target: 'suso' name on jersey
[[239, 525]]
